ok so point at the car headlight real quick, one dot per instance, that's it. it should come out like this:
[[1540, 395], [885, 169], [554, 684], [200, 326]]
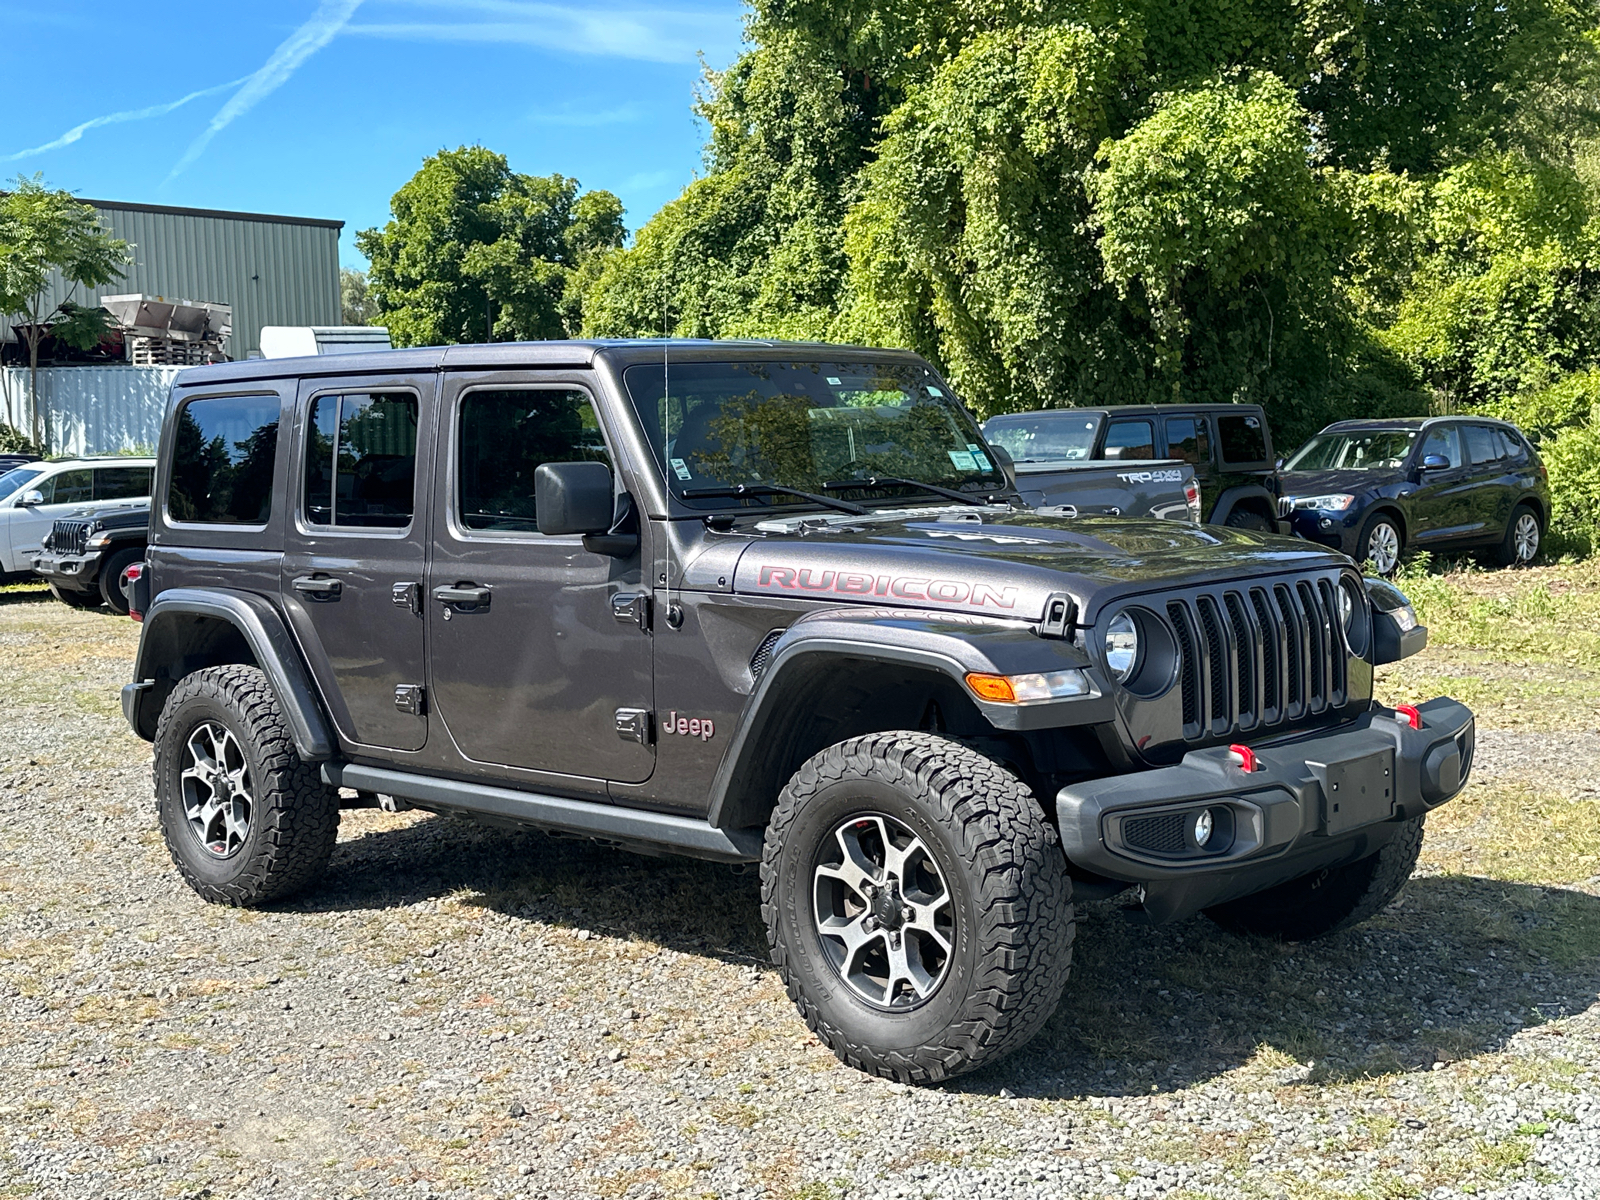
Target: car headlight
[[1122, 646], [1330, 502]]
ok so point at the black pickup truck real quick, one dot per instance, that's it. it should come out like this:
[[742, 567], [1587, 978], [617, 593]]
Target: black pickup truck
[[764, 603], [83, 558]]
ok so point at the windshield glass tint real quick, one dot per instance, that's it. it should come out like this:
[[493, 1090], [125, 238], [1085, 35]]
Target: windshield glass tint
[[1063, 437], [807, 424], [1354, 451], [14, 480]]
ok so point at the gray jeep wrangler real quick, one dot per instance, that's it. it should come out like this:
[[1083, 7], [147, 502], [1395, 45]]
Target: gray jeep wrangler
[[764, 603]]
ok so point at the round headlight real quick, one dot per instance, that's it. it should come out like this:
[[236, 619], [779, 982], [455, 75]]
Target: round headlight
[[1122, 646]]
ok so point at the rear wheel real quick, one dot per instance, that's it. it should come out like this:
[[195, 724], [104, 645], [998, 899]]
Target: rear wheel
[[74, 599], [1329, 900], [1381, 543], [111, 578], [917, 905], [1524, 535], [1245, 518], [245, 819]]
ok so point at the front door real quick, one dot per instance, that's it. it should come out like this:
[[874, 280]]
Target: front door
[[353, 554], [1439, 508], [530, 664], [66, 494]]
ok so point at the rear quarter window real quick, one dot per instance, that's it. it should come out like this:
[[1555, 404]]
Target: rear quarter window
[[223, 455], [1243, 438]]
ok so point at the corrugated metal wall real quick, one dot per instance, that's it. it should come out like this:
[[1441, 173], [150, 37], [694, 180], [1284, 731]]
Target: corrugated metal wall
[[273, 271], [92, 410]]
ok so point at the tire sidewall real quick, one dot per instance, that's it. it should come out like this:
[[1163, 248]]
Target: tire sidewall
[[816, 818], [1367, 530], [1509, 548], [177, 724], [110, 582]]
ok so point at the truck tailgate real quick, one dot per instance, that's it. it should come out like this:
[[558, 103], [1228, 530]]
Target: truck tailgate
[[1142, 488]]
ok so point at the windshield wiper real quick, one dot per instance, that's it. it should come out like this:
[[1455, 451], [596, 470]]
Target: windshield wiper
[[769, 489], [886, 481]]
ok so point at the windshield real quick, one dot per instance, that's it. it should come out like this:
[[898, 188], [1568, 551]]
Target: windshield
[[1354, 451], [18, 477], [812, 426], [1045, 437]]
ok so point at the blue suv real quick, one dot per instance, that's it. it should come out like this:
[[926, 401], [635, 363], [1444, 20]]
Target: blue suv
[[1374, 489]]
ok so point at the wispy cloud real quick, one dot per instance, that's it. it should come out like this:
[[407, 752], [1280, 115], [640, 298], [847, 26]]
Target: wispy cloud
[[133, 114], [648, 34], [325, 24], [588, 117]]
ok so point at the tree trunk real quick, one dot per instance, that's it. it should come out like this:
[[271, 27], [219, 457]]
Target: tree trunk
[[36, 430]]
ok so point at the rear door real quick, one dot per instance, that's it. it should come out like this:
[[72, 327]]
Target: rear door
[[531, 665], [1188, 437], [1488, 493], [354, 550]]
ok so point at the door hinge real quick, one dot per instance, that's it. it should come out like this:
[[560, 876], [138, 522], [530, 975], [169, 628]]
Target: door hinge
[[411, 698], [407, 595], [632, 606], [634, 725]]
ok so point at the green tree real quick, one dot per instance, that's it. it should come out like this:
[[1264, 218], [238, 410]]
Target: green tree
[[356, 306], [476, 252], [45, 235]]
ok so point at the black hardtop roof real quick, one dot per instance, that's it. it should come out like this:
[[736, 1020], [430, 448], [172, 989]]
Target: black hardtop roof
[[622, 352], [1141, 410]]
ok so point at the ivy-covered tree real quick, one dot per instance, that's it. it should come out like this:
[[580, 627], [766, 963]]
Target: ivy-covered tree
[[476, 252]]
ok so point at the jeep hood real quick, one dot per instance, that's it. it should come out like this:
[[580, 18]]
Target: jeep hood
[[1009, 564]]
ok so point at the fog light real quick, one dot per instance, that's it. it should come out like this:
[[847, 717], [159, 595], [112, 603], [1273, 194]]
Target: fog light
[[1203, 826]]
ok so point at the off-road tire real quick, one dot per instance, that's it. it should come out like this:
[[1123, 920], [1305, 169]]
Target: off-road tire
[[1327, 901], [111, 578], [1012, 900], [74, 599], [1245, 518], [294, 815], [1506, 553]]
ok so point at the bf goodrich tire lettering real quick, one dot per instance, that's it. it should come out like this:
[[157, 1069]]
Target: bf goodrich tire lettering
[[292, 816], [999, 858]]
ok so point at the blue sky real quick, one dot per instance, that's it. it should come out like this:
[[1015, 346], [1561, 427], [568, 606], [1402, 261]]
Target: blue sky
[[322, 108]]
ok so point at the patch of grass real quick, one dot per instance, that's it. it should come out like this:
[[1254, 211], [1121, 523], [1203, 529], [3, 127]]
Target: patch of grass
[[1509, 832]]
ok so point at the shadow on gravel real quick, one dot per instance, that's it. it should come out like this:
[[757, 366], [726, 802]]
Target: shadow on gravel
[[25, 595], [1452, 969]]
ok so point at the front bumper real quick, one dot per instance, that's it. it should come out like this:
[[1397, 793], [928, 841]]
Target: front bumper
[[1314, 800], [1340, 531], [68, 571]]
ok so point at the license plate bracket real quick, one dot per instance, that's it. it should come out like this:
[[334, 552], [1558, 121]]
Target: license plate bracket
[[1356, 791]]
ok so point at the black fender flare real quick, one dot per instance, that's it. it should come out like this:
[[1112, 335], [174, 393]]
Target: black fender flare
[[1235, 496], [951, 645], [161, 643]]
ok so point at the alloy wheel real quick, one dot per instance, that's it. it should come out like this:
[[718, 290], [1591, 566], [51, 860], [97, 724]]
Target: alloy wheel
[[1525, 537], [884, 912], [216, 789], [1383, 548]]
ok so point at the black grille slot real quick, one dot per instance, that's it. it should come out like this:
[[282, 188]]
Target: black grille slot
[[1161, 834], [1219, 663], [1337, 650], [763, 654], [1190, 667], [70, 537], [1317, 644], [1247, 654], [1271, 661], [1295, 639]]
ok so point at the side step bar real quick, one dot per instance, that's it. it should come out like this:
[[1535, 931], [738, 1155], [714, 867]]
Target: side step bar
[[606, 822]]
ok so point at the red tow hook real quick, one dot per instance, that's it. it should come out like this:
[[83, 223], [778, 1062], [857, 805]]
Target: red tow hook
[[1409, 714], [1244, 758]]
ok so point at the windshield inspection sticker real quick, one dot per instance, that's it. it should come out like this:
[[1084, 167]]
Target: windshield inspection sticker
[[979, 457], [963, 460], [681, 467]]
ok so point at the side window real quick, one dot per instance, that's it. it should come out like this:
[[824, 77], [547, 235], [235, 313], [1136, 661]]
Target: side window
[[1511, 446], [361, 460], [504, 436], [1188, 439], [73, 487], [1444, 440], [1482, 446], [1243, 439], [121, 483], [222, 459], [1130, 439]]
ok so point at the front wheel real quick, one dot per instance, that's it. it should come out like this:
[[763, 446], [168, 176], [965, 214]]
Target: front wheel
[[245, 819], [1244, 518], [111, 578], [1329, 900], [1380, 544], [917, 905]]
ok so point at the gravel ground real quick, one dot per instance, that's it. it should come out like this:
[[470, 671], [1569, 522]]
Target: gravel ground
[[461, 1011]]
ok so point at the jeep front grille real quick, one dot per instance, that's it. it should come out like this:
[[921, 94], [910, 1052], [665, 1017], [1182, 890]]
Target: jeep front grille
[[1258, 655], [70, 537]]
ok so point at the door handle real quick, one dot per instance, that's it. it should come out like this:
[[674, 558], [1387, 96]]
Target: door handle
[[465, 594], [318, 587]]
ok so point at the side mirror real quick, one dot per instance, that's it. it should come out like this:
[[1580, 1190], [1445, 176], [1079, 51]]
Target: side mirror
[[1278, 466], [1435, 462], [30, 498], [573, 497]]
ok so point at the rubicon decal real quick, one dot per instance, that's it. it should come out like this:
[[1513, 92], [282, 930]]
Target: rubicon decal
[[700, 727], [901, 587]]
